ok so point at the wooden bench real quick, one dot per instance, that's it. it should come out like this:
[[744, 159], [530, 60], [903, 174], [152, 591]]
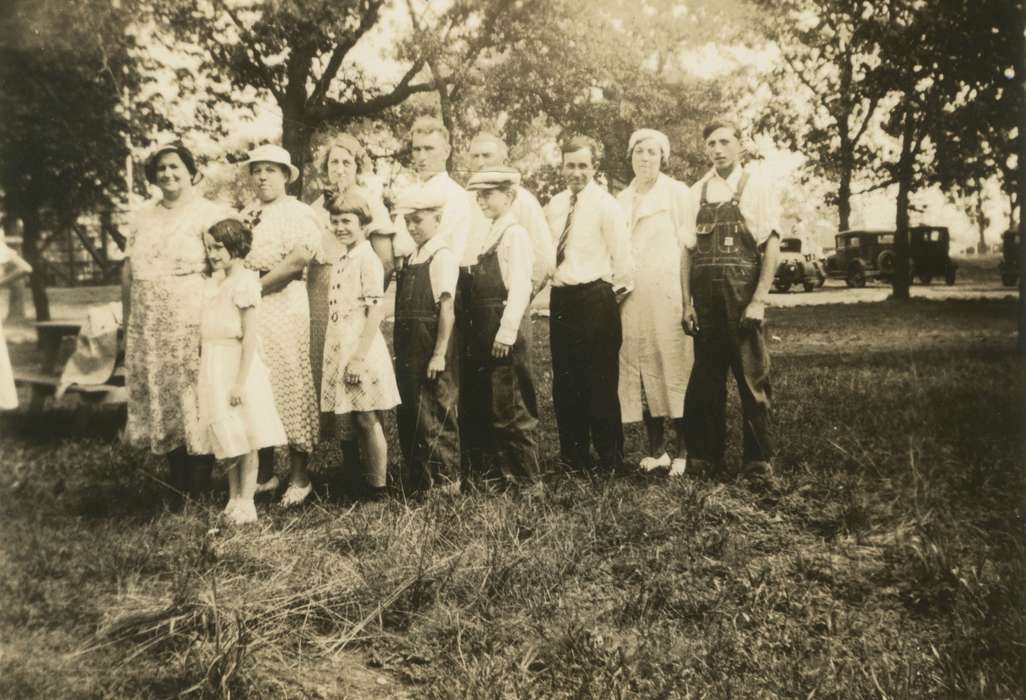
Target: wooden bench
[[44, 381]]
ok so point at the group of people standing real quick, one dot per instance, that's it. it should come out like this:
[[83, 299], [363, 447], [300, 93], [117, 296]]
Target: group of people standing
[[251, 330]]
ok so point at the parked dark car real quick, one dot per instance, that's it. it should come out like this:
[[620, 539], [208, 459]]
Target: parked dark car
[[1009, 264], [796, 267], [864, 254], [928, 250]]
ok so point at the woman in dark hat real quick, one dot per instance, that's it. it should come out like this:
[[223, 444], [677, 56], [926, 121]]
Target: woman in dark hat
[[162, 291]]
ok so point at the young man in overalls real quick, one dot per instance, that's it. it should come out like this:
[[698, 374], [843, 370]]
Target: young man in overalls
[[426, 360], [502, 392], [725, 280]]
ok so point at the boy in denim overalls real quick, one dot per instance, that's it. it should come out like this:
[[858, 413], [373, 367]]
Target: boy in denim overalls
[[725, 281]]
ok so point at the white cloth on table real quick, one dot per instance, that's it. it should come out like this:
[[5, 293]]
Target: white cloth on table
[[656, 356], [357, 286], [8, 392], [597, 246], [224, 430]]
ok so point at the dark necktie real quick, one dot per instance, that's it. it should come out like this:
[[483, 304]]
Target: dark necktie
[[561, 246]]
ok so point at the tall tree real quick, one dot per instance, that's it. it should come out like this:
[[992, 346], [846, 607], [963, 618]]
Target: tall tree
[[300, 52], [827, 50], [66, 69]]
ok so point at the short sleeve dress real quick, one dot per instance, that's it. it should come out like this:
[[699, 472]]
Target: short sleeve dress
[[319, 274], [222, 429], [357, 285], [8, 392], [162, 337], [284, 316]]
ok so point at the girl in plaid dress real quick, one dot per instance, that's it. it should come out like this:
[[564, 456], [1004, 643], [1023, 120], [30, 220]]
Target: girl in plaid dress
[[358, 376]]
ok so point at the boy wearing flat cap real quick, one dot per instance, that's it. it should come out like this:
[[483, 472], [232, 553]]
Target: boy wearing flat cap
[[500, 391], [427, 366]]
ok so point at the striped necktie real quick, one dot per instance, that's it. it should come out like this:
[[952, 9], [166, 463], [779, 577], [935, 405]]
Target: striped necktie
[[561, 246]]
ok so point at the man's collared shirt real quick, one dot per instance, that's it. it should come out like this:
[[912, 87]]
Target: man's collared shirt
[[598, 245], [759, 206], [456, 221], [444, 271], [514, 254]]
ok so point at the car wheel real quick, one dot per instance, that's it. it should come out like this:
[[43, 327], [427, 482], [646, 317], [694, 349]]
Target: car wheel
[[949, 276], [887, 262], [1009, 280], [808, 286], [781, 285], [856, 278], [926, 279]]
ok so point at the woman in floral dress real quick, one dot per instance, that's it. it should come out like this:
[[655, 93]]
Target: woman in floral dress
[[286, 236], [162, 293]]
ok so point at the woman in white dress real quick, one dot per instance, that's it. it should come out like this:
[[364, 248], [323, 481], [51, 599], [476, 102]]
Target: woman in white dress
[[656, 356], [8, 258]]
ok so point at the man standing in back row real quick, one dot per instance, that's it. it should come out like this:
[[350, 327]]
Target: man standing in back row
[[725, 281], [593, 274]]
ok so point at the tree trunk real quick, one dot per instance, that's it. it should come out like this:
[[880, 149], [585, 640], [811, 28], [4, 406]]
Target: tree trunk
[[847, 151], [295, 138], [1020, 75], [844, 197], [30, 248], [981, 220], [900, 282]]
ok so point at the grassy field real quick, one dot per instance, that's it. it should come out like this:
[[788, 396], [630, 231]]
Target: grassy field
[[890, 563]]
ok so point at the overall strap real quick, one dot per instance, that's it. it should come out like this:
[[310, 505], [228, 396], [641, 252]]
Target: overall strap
[[498, 240], [705, 188], [736, 199]]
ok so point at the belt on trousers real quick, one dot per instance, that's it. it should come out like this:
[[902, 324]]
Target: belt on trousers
[[579, 287]]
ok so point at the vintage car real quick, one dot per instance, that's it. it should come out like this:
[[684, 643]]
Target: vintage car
[[1009, 264], [864, 254], [796, 267], [928, 253]]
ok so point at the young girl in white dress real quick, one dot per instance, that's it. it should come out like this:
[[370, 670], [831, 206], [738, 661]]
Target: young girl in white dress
[[8, 392], [358, 376], [236, 410]]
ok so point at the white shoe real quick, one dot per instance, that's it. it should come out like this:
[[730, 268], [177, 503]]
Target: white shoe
[[650, 463], [678, 466], [244, 513], [295, 495], [271, 484]]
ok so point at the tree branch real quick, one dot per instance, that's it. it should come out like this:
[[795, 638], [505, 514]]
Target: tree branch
[[883, 184], [873, 102], [363, 108], [247, 38], [367, 20]]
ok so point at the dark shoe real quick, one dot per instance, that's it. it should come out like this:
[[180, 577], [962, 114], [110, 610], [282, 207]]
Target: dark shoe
[[704, 469], [759, 476]]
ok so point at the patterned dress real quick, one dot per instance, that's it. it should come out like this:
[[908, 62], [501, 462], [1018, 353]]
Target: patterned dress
[[284, 316], [162, 339], [222, 429], [357, 286], [319, 274]]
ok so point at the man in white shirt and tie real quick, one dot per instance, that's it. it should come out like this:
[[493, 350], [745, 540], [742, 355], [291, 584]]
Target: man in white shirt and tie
[[593, 274]]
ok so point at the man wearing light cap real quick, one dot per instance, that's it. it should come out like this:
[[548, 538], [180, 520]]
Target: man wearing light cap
[[487, 152], [426, 359], [498, 394]]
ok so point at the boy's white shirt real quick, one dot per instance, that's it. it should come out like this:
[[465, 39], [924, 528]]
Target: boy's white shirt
[[516, 265], [443, 270], [759, 205]]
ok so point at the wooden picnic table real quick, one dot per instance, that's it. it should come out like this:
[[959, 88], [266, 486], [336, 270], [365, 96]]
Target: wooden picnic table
[[44, 381]]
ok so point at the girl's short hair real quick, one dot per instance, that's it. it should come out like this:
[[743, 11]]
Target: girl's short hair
[[234, 235], [177, 147], [351, 202]]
